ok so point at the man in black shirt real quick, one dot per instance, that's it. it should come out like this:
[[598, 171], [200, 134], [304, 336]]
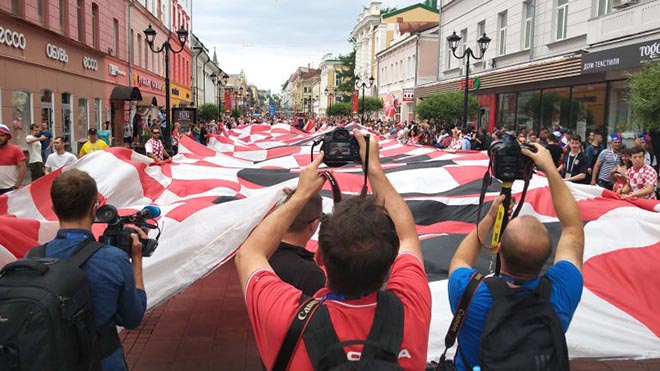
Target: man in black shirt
[[554, 148], [291, 261]]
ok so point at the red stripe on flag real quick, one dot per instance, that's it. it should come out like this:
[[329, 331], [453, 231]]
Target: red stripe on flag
[[183, 188], [449, 227], [190, 207], [40, 192], [150, 187], [19, 235], [466, 174]]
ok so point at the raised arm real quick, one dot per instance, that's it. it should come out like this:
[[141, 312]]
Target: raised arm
[[390, 199]]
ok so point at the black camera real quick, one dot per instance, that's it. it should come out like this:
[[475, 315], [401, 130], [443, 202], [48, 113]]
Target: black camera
[[508, 163], [116, 234], [340, 148]]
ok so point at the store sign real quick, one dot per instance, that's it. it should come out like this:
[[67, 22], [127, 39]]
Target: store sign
[[629, 56], [12, 38], [472, 83], [56, 53], [175, 91], [148, 82], [408, 95], [115, 71], [90, 63]]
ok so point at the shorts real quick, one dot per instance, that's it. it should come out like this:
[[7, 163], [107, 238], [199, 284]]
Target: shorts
[[128, 139]]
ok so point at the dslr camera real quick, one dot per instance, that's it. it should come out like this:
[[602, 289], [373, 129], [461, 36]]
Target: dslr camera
[[340, 148], [116, 234], [508, 163]]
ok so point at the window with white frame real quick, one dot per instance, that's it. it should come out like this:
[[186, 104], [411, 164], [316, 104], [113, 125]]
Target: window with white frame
[[481, 29], [604, 7], [501, 42], [528, 24], [562, 18], [450, 56], [464, 39]]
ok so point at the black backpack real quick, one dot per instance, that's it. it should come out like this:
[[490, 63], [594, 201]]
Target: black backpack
[[46, 316], [381, 348], [522, 330]]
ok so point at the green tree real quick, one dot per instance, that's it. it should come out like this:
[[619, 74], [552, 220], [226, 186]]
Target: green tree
[[346, 75], [644, 98], [339, 109], [371, 104], [208, 112], [446, 107], [384, 11]]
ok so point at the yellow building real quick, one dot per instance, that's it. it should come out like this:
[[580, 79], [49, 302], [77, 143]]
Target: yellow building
[[180, 95]]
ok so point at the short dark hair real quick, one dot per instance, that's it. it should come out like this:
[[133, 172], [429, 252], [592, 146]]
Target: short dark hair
[[35, 126], [73, 193], [60, 137], [635, 150], [576, 137], [357, 244], [310, 212]]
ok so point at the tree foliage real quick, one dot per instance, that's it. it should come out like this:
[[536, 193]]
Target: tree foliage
[[339, 109], [644, 99], [208, 112], [371, 104], [446, 108], [384, 11], [347, 77]]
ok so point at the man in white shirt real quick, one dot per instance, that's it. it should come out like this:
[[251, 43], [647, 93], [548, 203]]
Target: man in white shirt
[[60, 157], [154, 147], [34, 150]]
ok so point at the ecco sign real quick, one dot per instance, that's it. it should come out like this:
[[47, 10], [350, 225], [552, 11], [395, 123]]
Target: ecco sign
[[90, 63], [56, 53], [12, 38]]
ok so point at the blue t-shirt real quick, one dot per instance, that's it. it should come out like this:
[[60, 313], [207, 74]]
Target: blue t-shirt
[[566, 292], [114, 296]]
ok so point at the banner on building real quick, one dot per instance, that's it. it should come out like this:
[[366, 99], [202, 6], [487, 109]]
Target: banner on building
[[228, 98], [390, 104], [408, 95], [354, 106]]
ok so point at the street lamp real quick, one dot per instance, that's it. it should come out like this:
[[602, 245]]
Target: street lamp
[[453, 41], [150, 36], [363, 85], [236, 93], [219, 81], [331, 95]]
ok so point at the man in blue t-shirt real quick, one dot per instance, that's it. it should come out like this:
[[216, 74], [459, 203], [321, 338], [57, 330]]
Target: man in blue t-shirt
[[524, 248], [118, 296]]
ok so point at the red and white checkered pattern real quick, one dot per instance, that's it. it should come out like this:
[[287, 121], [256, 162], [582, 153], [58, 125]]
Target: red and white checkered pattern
[[639, 179]]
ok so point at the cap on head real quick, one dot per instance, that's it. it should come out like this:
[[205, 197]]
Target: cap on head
[[92, 131], [5, 130], [645, 138], [615, 136]]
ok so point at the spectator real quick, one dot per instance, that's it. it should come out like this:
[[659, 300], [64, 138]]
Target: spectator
[[554, 148], [34, 151], [607, 160], [644, 142], [105, 134], [619, 175], [358, 244], [93, 144], [60, 157], [466, 144], [118, 295], [291, 261], [524, 248], [176, 137], [128, 134], [594, 148], [154, 147], [642, 178], [12, 163], [46, 147], [573, 167]]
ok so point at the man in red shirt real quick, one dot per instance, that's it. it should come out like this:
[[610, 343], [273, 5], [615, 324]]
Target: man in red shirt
[[642, 178], [359, 243], [12, 163]]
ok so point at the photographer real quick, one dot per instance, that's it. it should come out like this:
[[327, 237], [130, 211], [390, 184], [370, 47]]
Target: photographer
[[118, 295], [524, 248], [365, 238]]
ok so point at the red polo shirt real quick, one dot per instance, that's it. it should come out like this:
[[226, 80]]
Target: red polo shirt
[[272, 303]]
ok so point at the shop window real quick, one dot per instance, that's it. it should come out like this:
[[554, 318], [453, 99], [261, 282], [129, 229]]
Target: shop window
[[95, 25], [527, 112], [83, 119], [506, 108], [21, 112], [562, 19], [619, 116], [47, 108], [588, 108], [555, 107], [66, 117]]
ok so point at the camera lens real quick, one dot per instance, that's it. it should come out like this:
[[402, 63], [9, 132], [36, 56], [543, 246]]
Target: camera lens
[[106, 214]]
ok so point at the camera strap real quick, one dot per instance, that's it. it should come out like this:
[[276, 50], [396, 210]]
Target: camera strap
[[365, 168]]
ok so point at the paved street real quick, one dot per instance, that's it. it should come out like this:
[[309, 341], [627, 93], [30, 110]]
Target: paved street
[[206, 327]]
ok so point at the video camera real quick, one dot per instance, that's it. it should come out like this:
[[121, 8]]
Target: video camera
[[508, 163], [339, 148], [116, 234]]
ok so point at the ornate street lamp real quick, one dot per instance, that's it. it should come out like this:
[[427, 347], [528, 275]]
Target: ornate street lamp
[[453, 41], [331, 95], [150, 36], [363, 85], [219, 81]]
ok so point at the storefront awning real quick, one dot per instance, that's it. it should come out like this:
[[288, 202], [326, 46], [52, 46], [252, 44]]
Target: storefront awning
[[148, 100], [125, 93]]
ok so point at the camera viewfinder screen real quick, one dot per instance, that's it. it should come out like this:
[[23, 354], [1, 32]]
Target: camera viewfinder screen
[[340, 149]]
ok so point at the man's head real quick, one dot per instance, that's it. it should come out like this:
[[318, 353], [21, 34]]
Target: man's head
[[357, 245], [525, 247], [44, 126], [597, 138], [575, 143], [615, 139], [93, 135], [34, 129], [155, 132], [5, 135], [58, 144], [307, 220], [637, 157], [641, 140], [74, 195], [551, 138]]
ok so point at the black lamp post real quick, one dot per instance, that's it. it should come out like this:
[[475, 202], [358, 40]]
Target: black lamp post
[[220, 81], [150, 36], [363, 85], [331, 95], [453, 41]]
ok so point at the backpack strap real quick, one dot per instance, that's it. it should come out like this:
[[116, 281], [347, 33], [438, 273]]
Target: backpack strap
[[305, 312], [36, 252], [321, 339], [84, 251], [386, 334]]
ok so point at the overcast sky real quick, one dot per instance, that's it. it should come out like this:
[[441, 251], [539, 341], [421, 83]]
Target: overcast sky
[[269, 39]]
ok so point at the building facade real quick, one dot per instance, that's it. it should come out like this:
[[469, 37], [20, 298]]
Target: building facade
[[329, 82], [180, 63]]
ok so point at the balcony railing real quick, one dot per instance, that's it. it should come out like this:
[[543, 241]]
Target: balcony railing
[[628, 21]]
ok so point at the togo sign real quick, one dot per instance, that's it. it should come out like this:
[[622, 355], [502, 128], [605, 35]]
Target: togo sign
[[56, 53], [90, 63], [629, 56], [12, 38]]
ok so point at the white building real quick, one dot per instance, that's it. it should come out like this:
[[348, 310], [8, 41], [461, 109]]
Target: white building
[[204, 89], [364, 34], [329, 82]]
